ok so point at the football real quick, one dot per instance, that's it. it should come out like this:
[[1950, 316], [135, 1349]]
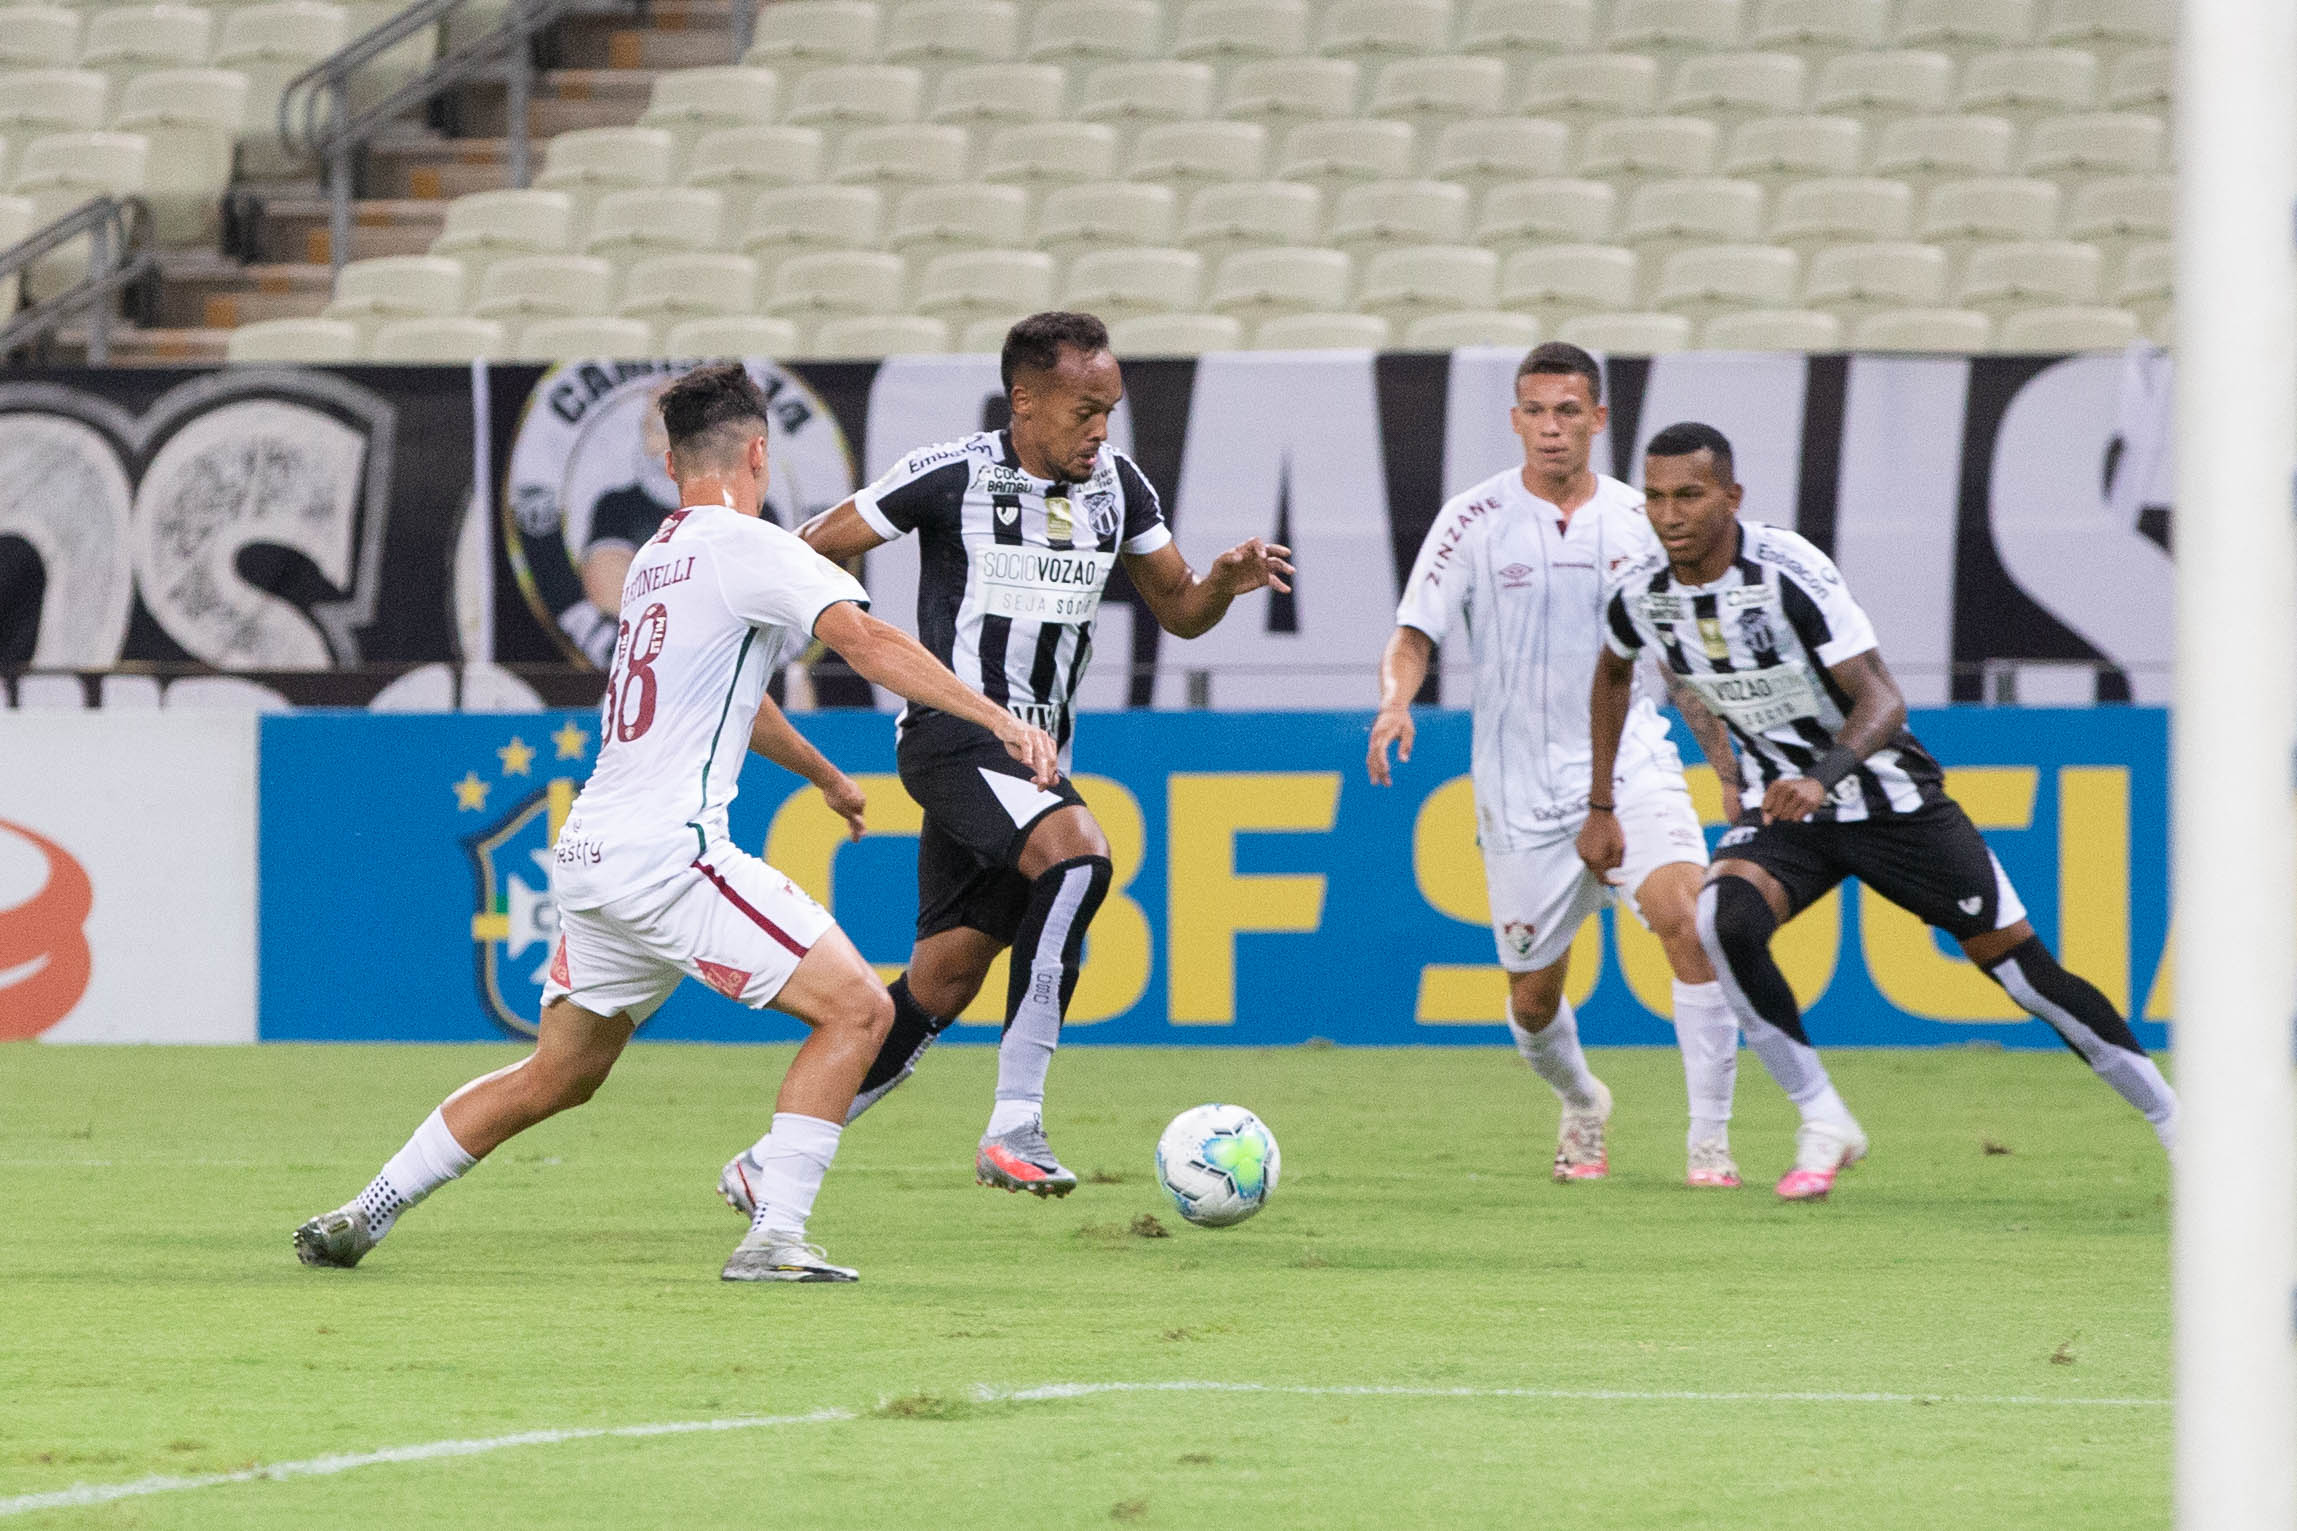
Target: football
[[1218, 1163]]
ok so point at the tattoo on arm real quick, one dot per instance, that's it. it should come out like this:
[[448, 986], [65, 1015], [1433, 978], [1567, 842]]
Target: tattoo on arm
[[1714, 739]]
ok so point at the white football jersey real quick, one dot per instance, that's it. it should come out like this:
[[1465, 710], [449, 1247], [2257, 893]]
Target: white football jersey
[[713, 602], [1504, 572]]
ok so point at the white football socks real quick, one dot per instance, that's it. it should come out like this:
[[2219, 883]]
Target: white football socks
[[790, 1162], [431, 1158], [1708, 1033], [1019, 1111], [1554, 1055]]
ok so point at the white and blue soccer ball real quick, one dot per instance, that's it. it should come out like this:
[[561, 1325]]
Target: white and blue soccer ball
[[1218, 1163]]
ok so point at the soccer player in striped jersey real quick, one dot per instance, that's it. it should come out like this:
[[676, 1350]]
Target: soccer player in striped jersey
[[1759, 623], [1018, 531], [648, 885]]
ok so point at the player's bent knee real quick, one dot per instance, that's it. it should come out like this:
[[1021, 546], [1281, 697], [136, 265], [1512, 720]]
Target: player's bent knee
[[1735, 920]]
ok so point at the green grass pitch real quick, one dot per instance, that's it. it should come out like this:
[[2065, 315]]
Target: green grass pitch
[[155, 1321]]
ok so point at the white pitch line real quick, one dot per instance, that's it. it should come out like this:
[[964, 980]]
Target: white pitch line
[[81, 1495]]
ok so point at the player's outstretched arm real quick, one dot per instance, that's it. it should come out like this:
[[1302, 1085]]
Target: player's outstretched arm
[[1186, 605], [884, 654], [840, 534], [775, 737], [1403, 670], [1877, 713], [1602, 845]]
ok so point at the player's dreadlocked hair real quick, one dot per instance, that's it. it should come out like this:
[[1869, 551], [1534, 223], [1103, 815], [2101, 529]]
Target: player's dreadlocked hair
[[1562, 358], [704, 412], [1689, 438], [1035, 343]]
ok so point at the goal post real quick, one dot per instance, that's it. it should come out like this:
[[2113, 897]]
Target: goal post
[[2233, 755]]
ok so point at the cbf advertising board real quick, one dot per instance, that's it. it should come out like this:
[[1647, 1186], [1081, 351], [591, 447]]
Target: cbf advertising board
[[1265, 893]]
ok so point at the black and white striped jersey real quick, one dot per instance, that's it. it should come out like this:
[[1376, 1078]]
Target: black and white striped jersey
[[1011, 567], [1757, 645]]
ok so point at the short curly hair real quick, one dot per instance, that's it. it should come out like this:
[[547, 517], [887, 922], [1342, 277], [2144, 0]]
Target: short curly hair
[[1035, 343]]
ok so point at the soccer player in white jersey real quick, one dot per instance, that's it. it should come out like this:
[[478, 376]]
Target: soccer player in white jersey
[[1759, 622], [1018, 531], [1513, 568], [648, 886]]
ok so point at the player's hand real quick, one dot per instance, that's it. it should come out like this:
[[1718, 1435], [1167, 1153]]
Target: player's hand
[[847, 801], [1792, 799], [1251, 565], [1033, 747], [1602, 844], [1391, 725]]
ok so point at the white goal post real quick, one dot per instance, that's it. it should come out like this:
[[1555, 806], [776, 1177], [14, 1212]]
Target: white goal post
[[2232, 759]]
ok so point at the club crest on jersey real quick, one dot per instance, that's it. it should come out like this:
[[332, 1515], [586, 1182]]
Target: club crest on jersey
[[1755, 630], [515, 941], [1519, 936], [1101, 509]]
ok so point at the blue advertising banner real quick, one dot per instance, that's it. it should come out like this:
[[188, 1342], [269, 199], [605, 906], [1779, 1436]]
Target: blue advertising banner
[[1265, 892]]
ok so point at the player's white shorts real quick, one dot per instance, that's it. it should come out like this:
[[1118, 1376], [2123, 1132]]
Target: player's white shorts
[[729, 919], [1541, 896]]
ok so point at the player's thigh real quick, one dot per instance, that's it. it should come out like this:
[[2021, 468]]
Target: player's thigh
[[833, 986], [1666, 857], [980, 796], [959, 888], [1799, 859], [576, 1042], [1937, 867], [741, 927], [606, 964], [1539, 898]]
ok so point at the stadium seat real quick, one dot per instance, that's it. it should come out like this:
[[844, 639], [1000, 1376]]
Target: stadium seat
[[586, 337], [319, 341], [839, 96], [2028, 83], [1106, 215], [2109, 25], [372, 292], [1471, 327], [866, 337], [272, 44], [1729, 88], [974, 283], [2147, 281], [1248, 215], [37, 102], [454, 338], [1175, 335], [2095, 143], [1550, 211], [1630, 150], [189, 120], [986, 97], [1433, 93], [1376, 32], [587, 163], [1085, 32], [39, 37], [1783, 329], [662, 289], [1389, 214], [1519, 31], [1928, 150], [824, 284], [1778, 151], [1949, 330], [1965, 26], [1225, 32], [1853, 280], [986, 336], [1047, 154], [1666, 216], [1818, 29], [943, 34], [1332, 156], [941, 220], [1189, 155], [522, 288], [2140, 82], [57, 173], [1673, 27], [17, 215], [2000, 279], [1875, 87], [1718, 279], [1993, 209], [1321, 332], [1253, 286], [1279, 93], [1627, 334], [1492, 151], [895, 157], [2119, 211], [731, 335], [1413, 282], [742, 164], [1131, 96], [126, 40], [1555, 282], [1581, 88], [688, 103], [1123, 284], [795, 37], [488, 226], [1844, 210], [630, 225], [2068, 328]]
